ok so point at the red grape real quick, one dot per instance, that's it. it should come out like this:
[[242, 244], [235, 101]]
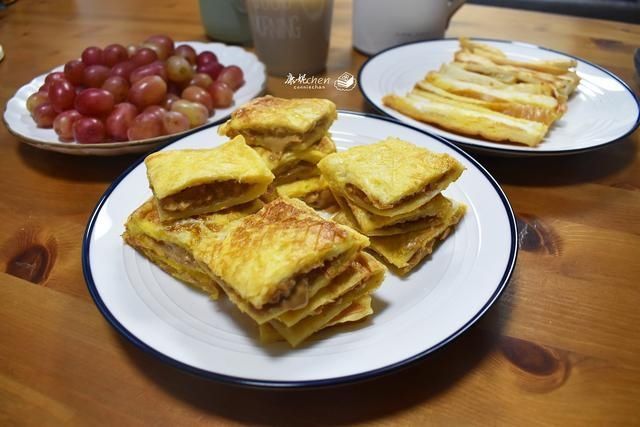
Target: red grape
[[132, 49], [179, 69], [148, 91], [221, 94], [56, 76], [92, 56], [187, 52], [114, 54], [94, 102], [74, 71], [95, 75], [118, 86], [45, 87], [233, 76], [89, 130], [144, 56], [168, 100], [35, 99], [123, 69], [63, 124], [174, 122], [156, 110], [62, 94], [197, 94], [144, 126], [201, 79], [213, 69], [162, 40], [195, 112], [156, 68], [44, 115], [206, 57], [120, 119]]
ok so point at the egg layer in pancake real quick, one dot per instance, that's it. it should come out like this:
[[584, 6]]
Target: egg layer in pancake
[[314, 192], [280, 124], [358, 310], [192, 182], [405, 251], [171, 245], [278, 258], [389, 178], [376, 225], [362, 267], [326, 313]]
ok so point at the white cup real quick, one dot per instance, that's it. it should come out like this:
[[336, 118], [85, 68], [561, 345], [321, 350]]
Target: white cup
[[379, 24]]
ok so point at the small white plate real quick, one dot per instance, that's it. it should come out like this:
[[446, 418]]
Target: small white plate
[[19, 122], [602, 110], [413, 316]]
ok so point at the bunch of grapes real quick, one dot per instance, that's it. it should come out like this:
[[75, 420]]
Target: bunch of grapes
[[133, 93]]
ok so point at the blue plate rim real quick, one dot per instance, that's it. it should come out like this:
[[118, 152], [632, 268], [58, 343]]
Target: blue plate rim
[[248, 382], [506, 150]]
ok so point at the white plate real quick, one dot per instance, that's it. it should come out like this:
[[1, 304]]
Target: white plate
[[19, 121], [413, 316], [602, 110]]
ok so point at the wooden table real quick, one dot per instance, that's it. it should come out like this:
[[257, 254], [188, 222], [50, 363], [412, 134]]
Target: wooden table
[[560, 347]]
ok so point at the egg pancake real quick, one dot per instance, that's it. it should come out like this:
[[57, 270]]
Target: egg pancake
[[325, 314], [278, 258], [279, 124], [193, 182], [358, 310], [389, 178], [171, 246], [314, 192], [405, 251]]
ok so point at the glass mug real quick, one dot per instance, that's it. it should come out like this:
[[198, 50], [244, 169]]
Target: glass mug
[[291, 36], [226, 20], [375, 28]]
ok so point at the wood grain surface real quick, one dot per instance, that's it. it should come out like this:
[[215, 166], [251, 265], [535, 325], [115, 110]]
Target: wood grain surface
[[559, 348]]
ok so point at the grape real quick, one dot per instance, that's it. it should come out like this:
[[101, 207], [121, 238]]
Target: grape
[[44, 114], [144, 56], [197, 94], [114, 54], [123, 69], [156, 68], [89, 130], [159, 50], [221, 94], [168, 100], [131, 50], [233, 76], [187, 52], [94, 102], [120, 119], [62, 94], [213, 69], [95, 75], [92, 56], [206, 57], [162, 40], [201, 79], [174, 122], [35, 99], [74, 71], [144, 126], [148, 91], [179, 69], [56, 76], [118, 86], [44, 88], [156, 110], [63, 124], [195, 112]]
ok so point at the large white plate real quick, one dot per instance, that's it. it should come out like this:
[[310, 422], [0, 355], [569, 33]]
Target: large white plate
[[19, 121], [602, 110], [413, 316]]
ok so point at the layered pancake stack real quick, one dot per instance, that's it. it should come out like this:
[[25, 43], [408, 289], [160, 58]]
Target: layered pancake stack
[[290, 270], [291, 136], [391, 191]]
